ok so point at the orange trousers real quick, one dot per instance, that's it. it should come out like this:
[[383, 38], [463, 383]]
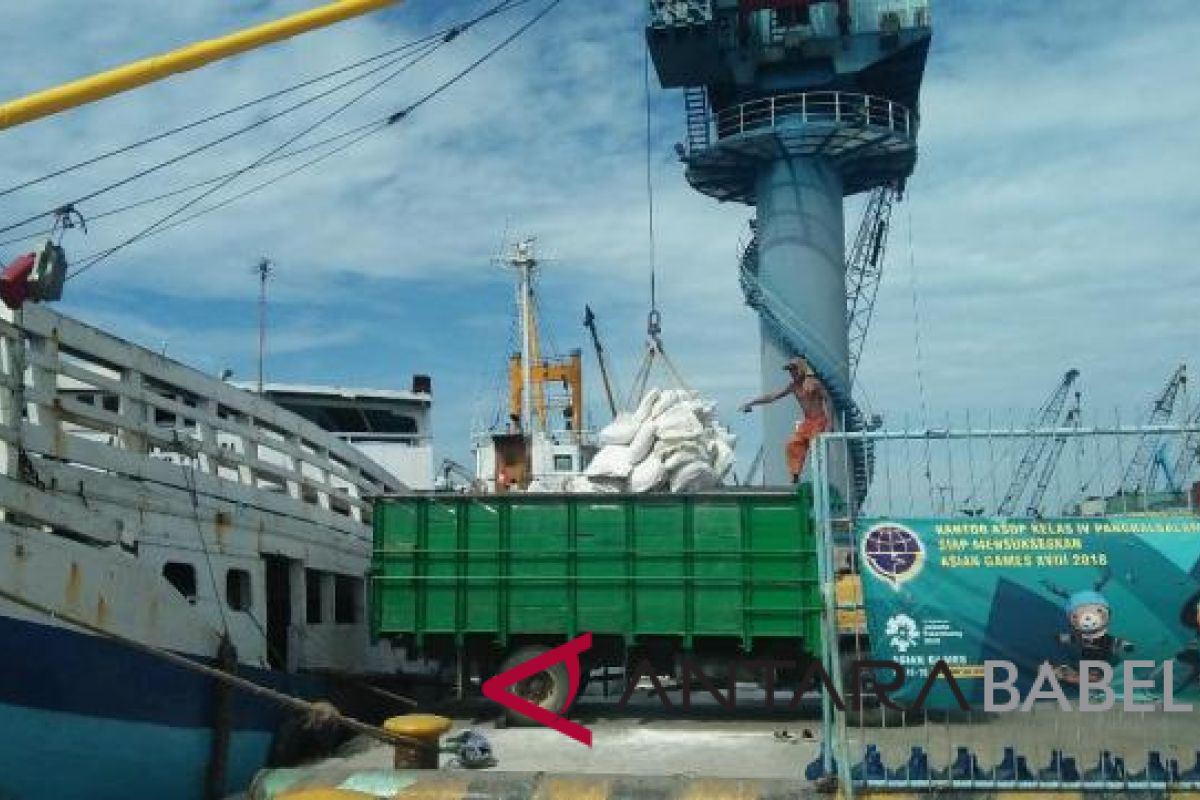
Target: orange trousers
[[801, 442]]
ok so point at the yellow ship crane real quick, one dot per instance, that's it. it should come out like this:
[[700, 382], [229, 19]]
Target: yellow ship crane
[[527, 403], [130, 76]]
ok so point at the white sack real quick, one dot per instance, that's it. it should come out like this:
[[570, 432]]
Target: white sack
[[621, 430], [642, 444], [721, 458], [694, 477], [678, 424], [667, 399], [611, 462], [647, 476], [680, 458], [646, 407]]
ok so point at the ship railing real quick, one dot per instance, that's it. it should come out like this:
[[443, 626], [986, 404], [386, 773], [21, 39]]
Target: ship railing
[[95, 429], [803, 108], [974, 539]]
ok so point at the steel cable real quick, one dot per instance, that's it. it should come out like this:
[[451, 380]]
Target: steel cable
[[367, 130]]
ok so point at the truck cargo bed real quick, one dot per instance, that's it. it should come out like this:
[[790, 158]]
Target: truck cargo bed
[[731, 565]]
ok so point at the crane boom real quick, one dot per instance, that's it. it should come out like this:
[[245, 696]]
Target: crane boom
[[1189, 450], [864, 268], [139, 73], [1034, 509], [1047, 417], [589, 322], [1138, 472]]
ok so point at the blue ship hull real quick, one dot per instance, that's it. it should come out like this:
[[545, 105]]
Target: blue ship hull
[[83, 717]]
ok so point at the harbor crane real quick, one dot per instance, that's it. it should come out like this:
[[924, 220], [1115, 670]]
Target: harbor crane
[[1189, 452], [790, 107], [864, 267], [1071, 421], [1047, 417], [1138, 474]]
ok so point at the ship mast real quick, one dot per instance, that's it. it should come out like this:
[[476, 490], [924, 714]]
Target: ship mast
[[523, 261]]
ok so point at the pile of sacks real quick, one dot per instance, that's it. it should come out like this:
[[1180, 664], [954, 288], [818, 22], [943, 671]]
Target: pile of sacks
[[671, 442]]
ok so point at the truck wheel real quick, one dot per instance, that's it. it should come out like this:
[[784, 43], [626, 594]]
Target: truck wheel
[[547, 689]]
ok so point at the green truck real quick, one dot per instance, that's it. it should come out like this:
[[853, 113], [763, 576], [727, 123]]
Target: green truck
[[488, 581]]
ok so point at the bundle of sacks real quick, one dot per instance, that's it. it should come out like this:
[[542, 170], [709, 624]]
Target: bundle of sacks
[[671, 442]]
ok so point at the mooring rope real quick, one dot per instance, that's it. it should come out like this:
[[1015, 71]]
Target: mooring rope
[[314, 711]]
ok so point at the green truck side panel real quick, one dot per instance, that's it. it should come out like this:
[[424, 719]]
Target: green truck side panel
[[735, 565]]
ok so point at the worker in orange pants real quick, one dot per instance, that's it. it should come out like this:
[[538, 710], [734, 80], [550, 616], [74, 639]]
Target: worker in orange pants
[[810, 393]]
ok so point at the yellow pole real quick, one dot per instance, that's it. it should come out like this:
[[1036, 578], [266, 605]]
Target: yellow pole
[[139, 73]]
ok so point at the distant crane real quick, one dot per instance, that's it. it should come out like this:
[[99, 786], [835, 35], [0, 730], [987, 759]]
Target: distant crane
[[1138, 473], [1160, 465], [1189, 451], [1048, 417], [589, 322], [1072, 419]]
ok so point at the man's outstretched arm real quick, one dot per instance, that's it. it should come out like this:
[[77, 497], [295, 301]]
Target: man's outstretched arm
[[767, 399]]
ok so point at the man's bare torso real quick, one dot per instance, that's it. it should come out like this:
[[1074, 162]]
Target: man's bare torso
[[811, 396]]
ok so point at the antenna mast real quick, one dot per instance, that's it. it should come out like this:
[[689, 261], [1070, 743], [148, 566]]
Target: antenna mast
[[263, 269]]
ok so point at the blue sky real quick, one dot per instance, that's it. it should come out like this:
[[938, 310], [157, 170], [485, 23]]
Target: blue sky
[[1052, 217]]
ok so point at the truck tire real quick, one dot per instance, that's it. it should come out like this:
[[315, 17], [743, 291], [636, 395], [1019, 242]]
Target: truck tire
[[548, 689]]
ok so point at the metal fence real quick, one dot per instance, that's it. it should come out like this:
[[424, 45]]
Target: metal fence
[[804, 108], [993, 475]]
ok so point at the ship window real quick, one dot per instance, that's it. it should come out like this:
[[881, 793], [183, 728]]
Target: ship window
[[237, 589], [111, 402], [183, 577], [312, 596], [346, 600], [336, 419], [384, 421], [791, 17], [563, 463]]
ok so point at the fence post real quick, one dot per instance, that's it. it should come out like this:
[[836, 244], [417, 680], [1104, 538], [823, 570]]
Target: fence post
[[832, 739]]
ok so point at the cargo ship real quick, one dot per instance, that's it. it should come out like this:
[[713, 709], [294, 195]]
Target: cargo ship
[[151, 507]]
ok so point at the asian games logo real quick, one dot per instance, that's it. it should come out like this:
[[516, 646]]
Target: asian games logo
[[893, 553]]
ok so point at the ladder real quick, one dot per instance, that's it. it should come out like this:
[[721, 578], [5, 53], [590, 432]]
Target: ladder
[[695, 103]]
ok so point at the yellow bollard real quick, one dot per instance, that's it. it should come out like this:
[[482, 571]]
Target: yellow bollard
[[428, 729]]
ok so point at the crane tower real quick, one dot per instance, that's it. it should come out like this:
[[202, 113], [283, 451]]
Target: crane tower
[[791, 106]]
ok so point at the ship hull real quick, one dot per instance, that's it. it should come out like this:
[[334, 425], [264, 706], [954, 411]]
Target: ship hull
[[83, 717]]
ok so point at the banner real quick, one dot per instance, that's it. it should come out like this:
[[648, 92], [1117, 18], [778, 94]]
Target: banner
[[1032, 592]]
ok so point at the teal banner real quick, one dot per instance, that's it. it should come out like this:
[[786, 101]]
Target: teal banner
[[1033, 592]]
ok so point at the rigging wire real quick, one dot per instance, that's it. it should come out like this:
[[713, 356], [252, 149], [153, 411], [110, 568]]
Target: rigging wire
[[158, 137], [424, 47], [654, 315], [366, 130], [920, 361], [145, 201], [97, 258], [426, 51]]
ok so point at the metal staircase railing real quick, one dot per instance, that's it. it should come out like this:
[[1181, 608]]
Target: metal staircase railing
[[758, 297], [699, 131]]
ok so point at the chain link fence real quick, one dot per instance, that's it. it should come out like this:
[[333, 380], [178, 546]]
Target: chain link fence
[[982, 543]]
